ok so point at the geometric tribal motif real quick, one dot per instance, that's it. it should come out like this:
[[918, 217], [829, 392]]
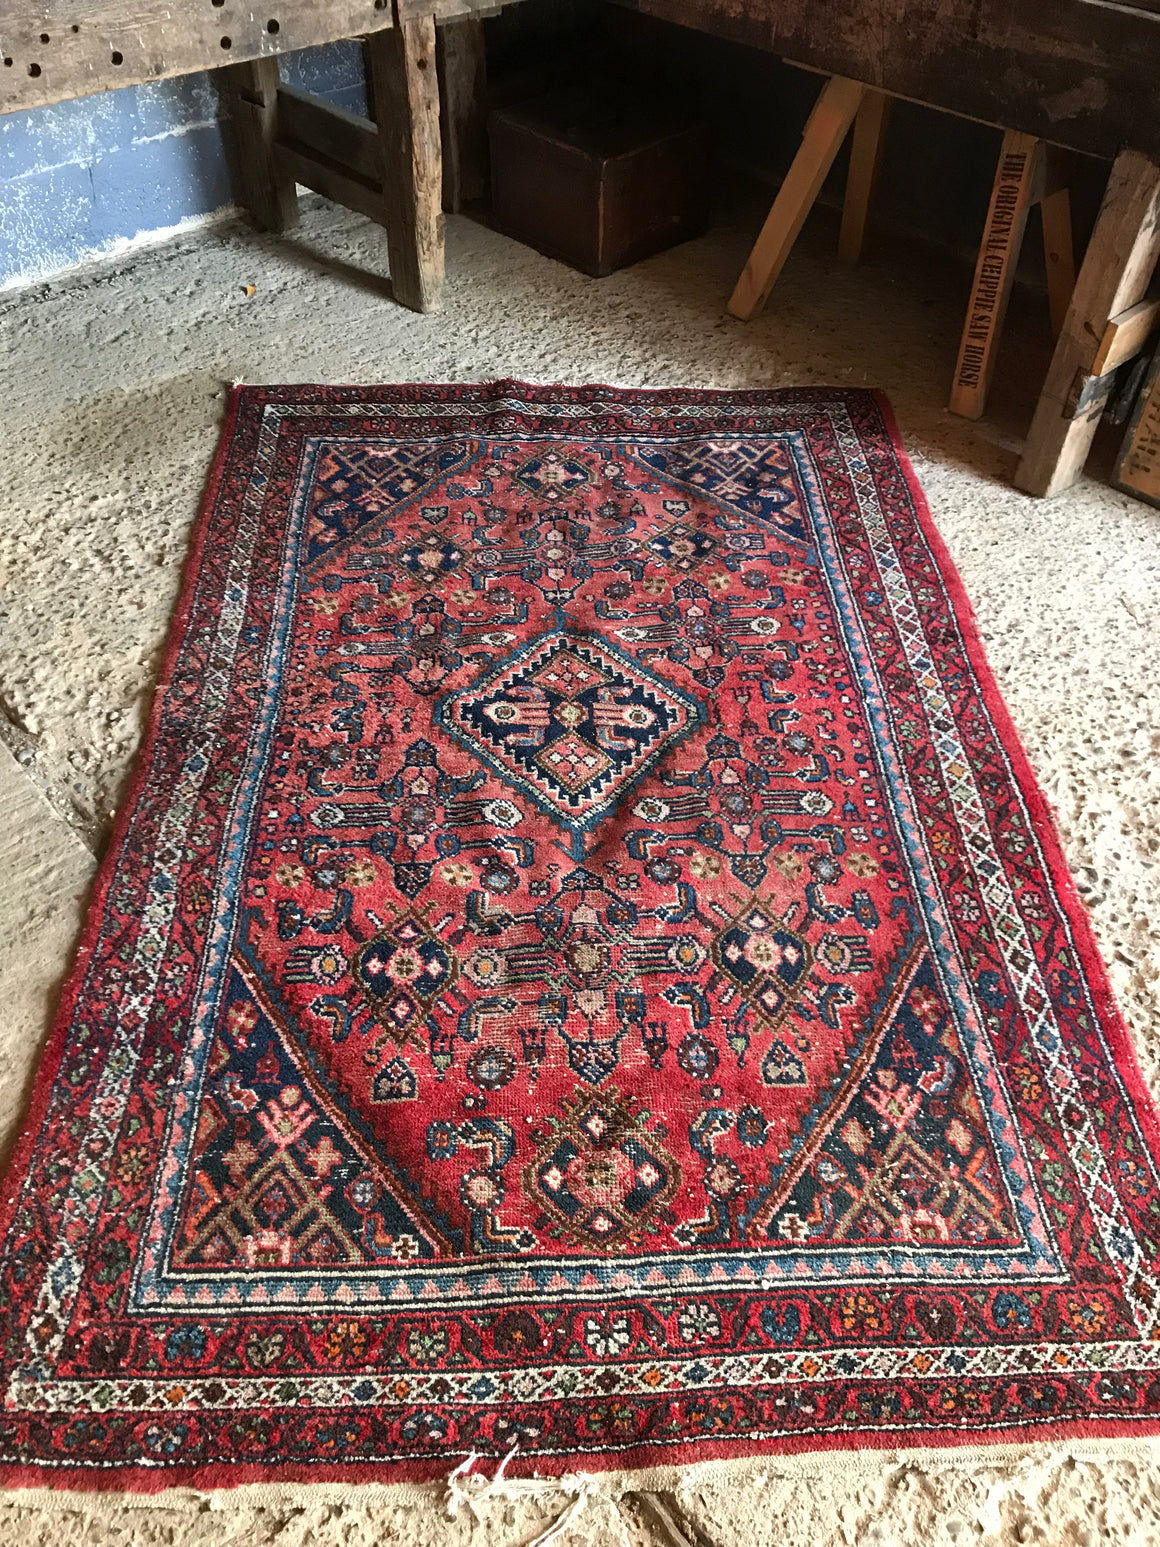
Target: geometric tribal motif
[[570, 723], [584, 966]]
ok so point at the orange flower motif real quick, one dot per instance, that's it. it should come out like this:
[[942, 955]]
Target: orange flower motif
[[345, 1340], [860, 1313], [1027, 1081], [1087, 1316]]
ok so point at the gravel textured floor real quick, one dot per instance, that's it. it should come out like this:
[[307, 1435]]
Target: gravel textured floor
[[115, 385]]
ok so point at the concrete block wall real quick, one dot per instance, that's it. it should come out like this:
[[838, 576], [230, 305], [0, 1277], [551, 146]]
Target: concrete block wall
[[89, 177]]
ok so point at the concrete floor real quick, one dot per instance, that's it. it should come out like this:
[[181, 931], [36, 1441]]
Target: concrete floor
[[115, 382]]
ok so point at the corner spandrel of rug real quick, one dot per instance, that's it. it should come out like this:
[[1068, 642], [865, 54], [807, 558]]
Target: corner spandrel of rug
[[584, 967]]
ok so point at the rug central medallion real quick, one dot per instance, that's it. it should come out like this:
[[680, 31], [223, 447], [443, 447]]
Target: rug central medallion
[[571, 723]]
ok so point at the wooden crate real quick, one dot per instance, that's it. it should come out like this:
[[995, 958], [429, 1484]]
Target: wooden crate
[[596, 179], [1138, 466]]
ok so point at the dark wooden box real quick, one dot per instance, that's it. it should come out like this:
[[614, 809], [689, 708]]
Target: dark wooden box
[[596, 179]]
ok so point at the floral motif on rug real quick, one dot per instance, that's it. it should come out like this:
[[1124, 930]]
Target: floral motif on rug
[[584, 967]]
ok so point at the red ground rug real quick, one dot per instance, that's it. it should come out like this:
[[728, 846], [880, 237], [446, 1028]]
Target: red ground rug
[[584, 966]]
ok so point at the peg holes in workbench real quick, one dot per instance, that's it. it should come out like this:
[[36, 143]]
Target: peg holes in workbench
[[272, 25], [116, 57]]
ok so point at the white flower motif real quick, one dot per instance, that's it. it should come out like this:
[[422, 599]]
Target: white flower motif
[[698, 1322], [606, 1338]]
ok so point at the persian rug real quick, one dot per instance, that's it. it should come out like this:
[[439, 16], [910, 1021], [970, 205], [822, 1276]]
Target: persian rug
[[584, 966]]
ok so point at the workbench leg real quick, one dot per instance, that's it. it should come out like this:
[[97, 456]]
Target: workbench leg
[[270, 195], [822, 138], [1114, 276], [462, 61], [865, 160], [1020, 165], [406, 94], [1058, 253]]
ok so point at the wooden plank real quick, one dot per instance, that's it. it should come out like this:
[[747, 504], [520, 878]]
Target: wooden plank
[[1115, 273], [1138, 466], [865, 160], [95, 45], [822, 138], [1020, 160], [449, 10], [1074, 73], [406, 94], [1125, 336], [316, 126], [1069, 72], [332, 180], [462, 61], [266, 188], [1058, 254]]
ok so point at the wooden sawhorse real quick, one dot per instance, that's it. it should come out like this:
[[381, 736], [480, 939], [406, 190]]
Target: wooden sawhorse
[[1106, 320], [1032, 172]]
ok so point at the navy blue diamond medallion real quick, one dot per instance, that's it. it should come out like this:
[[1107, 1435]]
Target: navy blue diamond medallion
[[571, 723]]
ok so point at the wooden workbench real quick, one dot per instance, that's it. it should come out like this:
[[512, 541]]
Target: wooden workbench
[[57, 49], [1080, 74]]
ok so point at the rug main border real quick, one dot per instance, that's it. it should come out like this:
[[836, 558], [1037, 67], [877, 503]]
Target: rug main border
[[1111, 1020]]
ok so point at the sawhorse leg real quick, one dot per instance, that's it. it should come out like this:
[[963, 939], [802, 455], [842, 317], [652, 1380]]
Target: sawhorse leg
[[862, 178], [1113, 278], [1029, 172], [840, 104], [1058, 248], [827, 127]]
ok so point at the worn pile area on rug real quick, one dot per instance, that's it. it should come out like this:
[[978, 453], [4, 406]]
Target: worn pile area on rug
[[583, 967]]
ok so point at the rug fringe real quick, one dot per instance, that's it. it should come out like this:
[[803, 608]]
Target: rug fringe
[[1019, 1460]]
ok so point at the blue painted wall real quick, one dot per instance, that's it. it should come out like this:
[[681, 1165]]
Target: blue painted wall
[[83, 177]]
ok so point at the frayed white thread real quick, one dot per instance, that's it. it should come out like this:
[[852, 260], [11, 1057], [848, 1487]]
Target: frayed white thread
[[468, 1487]]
